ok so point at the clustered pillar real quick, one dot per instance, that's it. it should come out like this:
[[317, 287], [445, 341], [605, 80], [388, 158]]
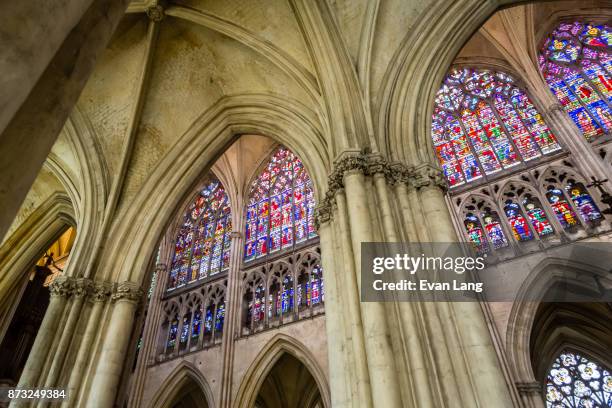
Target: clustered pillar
[[81, 344], [421, 354]]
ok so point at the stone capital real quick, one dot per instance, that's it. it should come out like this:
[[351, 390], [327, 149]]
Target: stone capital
[[128, 291], [323, 214], [428, 176], [101, 291], [554, 108], [82, 287], [62, 286]]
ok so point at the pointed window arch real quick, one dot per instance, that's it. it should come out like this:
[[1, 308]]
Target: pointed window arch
[[484, 123], [576, 381], [202, 243], [576, 61], [280, 212]]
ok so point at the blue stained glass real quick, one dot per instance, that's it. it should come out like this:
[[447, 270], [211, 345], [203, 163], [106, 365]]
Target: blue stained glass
[[220, 318], [196, 324], [563, 211], [520, 227], [475, 127], [575, 61], [172, 333], [281, 206], [584, 204], [575, 381], [199, 248]]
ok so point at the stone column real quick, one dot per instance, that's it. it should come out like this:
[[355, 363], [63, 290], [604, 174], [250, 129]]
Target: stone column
[[340, 396], [109, 365], [99, 296], [477, 369], [80, 292], [379, 353], [60, 289], [232, 321]]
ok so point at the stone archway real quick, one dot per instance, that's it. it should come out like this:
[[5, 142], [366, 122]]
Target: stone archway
[[186, 387], [289, 384], [273, 379]]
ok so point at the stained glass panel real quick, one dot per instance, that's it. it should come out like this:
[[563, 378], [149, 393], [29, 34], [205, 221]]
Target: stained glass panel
[[537, 216], [575, 62], [202, 242], [494, 229], [281, 204], [584, 204], [518, 223], [475, 233], [484, 123], [562, 209], [575, 381]]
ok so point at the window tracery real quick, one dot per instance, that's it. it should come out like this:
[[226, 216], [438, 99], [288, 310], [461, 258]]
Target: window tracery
[[576, 381], [576, 61], [202, 243], [484, 123]]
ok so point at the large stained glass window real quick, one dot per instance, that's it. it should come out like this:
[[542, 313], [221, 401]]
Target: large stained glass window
[[576, 61], [484, 123], [280, 210], [203, 241], [575, 381]]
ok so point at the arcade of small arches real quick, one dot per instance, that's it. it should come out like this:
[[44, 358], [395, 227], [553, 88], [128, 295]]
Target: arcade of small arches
[[228, 273]]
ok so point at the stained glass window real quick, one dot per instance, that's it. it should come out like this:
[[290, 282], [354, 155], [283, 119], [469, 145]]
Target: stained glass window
[[484, 123], [257, 306], [203, 241], [537, 216], [220, 318], [575, 381], [520, 227], [576, 61], [584, 204], [185, 328], [281, 204], [316, 293], [494, 229], [562, 209], [475, 233], [172, 334], [196, 324]]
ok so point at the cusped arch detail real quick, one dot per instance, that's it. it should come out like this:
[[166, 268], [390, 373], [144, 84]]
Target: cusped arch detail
[[263, 364]]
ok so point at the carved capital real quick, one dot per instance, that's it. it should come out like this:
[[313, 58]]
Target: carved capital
[[62, 286], [399, 174], [82, 287], [156, 13], [235, 235], [323, 213], [101, 291], [127, 290], [426, 175]]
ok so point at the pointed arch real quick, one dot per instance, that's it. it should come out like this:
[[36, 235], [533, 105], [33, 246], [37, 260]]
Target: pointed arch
[[542, 278], [180, 377], [265, 361], [281, 119]]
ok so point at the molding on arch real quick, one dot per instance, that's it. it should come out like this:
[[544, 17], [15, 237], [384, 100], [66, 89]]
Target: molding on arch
[[181, 375], [265, 361], [27, 244], [138, 227], [525, 307]]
